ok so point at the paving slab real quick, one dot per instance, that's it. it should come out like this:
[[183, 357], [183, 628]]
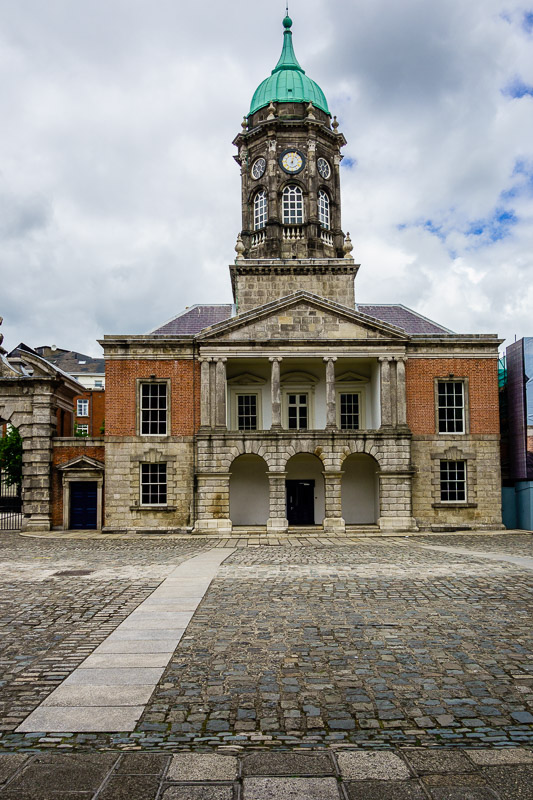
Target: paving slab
[[511, 783], [130, 787], [136, 646], [132, 676], [199, 793], [121, 634], [277, 764], [290, 788], [84, 719], [202, 767], [121, 660], [364, 764], [83, 696], [52, 772], [142, 764], [385, 790], [9, 764], [155, 622], [430, 761], [507, 755]]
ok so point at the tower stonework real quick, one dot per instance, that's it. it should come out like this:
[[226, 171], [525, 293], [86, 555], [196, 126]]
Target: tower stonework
[[290, 153]]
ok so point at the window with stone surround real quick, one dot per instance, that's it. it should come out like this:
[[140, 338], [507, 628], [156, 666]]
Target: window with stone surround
[[349, 410], [260, 210], [298, 411], [82, 408], [451, 406], [293, 205], [153, 408], [153, 484], [323, 209], [247, 412], [453, 488]]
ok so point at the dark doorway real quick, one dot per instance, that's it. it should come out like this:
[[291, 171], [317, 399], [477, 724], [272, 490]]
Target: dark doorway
[[83, 504], [301, 502]]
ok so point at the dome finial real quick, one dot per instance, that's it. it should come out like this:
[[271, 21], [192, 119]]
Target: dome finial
[[287, 22]]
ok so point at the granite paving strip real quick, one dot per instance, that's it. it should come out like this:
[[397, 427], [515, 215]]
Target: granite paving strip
[[520, 561], [133, 661]]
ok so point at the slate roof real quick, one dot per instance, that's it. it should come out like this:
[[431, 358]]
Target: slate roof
[[402, 317], [196, 318], [72, 362]]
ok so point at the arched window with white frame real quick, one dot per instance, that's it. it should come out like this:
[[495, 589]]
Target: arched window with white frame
[[323, 209], [260, 210], [293, 205]]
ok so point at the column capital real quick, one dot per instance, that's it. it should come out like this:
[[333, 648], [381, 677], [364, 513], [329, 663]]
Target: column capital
[[221, 360], [275, 358], [386, 358], [204, 360], [329, 358]]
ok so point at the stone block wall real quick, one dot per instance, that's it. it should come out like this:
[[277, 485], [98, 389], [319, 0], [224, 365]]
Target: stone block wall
[[256, 290], [483, 506], [121, 393], [124, 455]]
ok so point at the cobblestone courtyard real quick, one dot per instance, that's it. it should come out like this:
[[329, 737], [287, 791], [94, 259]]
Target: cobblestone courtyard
[[392, 643]]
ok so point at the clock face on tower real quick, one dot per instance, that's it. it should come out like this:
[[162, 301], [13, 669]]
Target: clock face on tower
[[258, 168], [292, 161]]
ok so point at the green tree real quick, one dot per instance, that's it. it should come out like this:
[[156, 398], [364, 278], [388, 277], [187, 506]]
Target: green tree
[[11, 457]]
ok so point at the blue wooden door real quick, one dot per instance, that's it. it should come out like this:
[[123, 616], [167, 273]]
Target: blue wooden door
[[83, 503]]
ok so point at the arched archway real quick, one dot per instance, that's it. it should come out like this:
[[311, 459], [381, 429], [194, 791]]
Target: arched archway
[[360, 489], [305, 490], [249, 491]]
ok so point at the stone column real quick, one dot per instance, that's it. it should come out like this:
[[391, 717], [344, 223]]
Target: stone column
[[333, 521], [385, 391], [212, 393], [277, 521], [401, 397], [275, 386], [331, 404], [220, 392], [205, 393], [36, 461]]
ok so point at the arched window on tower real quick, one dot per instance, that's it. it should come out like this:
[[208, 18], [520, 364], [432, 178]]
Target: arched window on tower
[[323, 209], [260, 210], [293, 205]]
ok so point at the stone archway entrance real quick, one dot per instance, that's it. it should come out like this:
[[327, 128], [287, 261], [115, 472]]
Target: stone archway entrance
[[360, 490], [305, 490], [249, 491]]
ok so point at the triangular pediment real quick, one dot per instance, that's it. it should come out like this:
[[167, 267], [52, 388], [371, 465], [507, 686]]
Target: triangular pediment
[[82, 462], [302, 316], [246, 379]]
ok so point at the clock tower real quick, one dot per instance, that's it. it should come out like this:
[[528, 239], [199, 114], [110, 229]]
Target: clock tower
[[289, 152]]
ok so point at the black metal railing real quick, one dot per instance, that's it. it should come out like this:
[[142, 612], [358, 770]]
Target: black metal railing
[[10, 506]]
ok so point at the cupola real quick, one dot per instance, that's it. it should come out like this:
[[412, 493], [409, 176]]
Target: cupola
[[288, 82]]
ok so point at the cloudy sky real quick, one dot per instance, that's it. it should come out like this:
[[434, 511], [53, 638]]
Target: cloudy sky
[[119, 197]]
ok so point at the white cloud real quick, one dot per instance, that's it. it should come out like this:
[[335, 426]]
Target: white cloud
[[120, 200]]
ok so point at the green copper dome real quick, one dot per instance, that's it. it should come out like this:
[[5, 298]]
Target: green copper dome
[[288, 82]]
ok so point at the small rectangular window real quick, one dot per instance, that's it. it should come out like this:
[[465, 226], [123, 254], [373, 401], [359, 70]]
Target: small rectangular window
[[82, 408], [153, 409], [451, 407], [349, 411], [98, 384], [297, 412], [247, 412], [153, 484], [453, 481], [82, 430]]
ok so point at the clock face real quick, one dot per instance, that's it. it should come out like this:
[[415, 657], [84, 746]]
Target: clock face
[[258, 168], [292, 161], [323, 168]]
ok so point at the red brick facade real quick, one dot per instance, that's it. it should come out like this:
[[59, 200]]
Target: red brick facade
[[62, 455], [96, 416], [121, 393], [482, 375]]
